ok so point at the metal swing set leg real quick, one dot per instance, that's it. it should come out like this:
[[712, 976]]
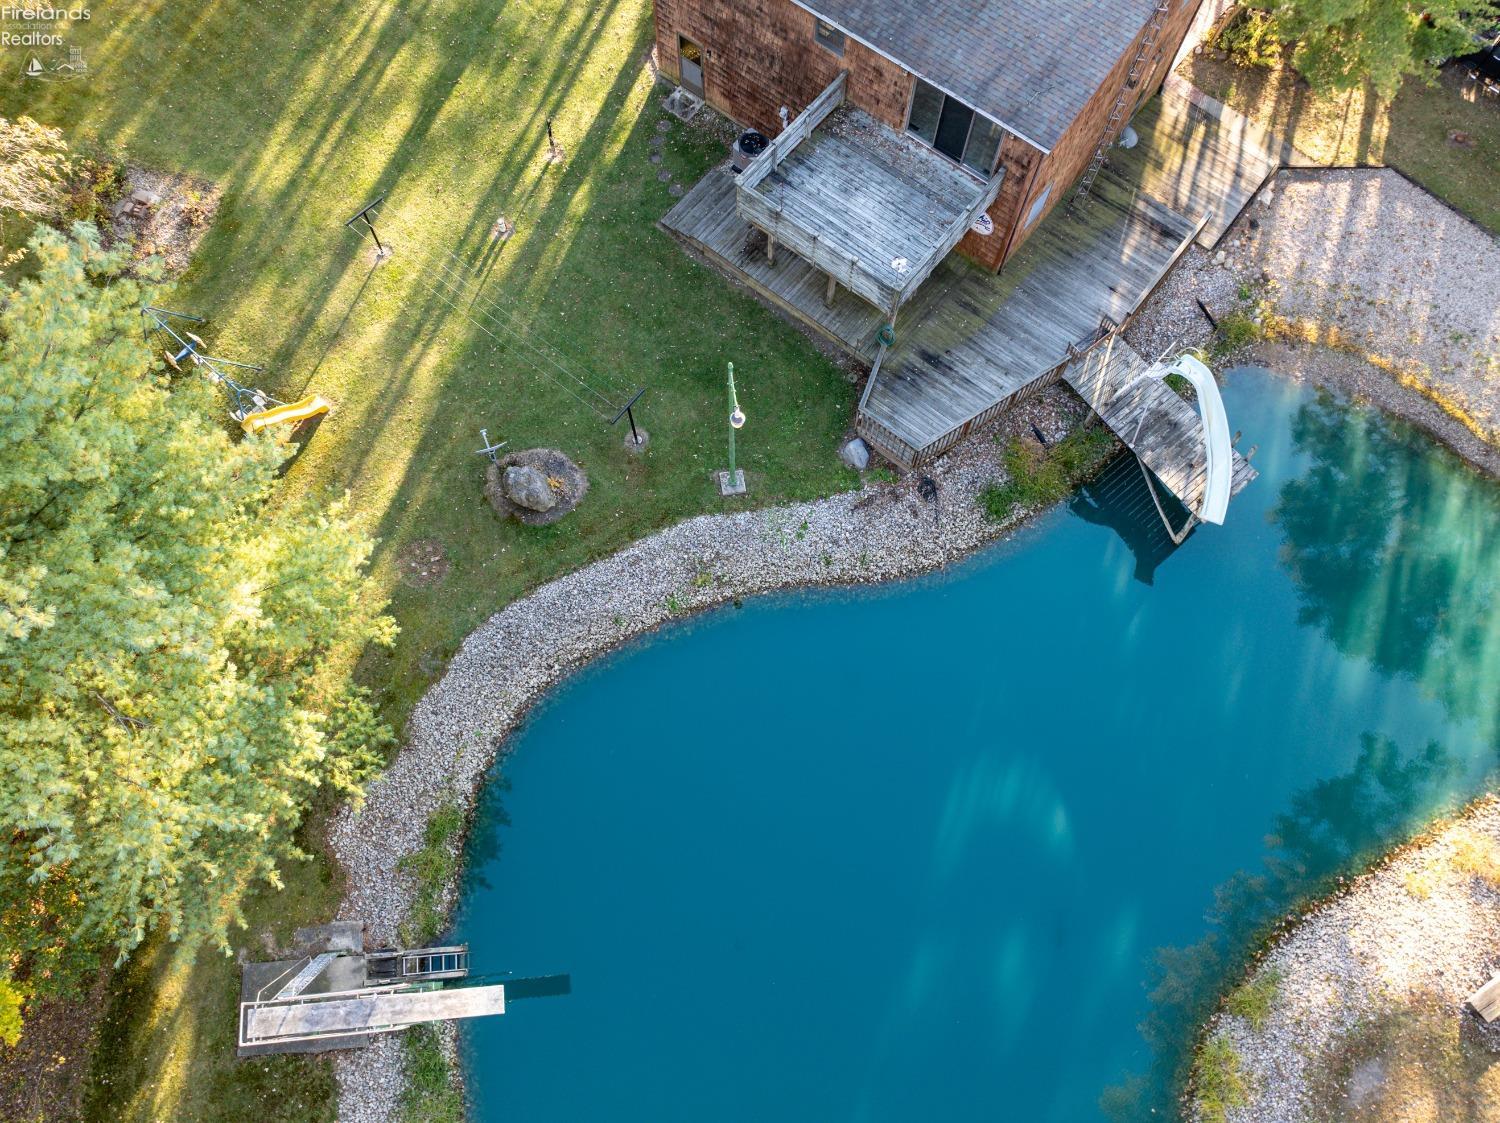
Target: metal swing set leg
[[254, 409]]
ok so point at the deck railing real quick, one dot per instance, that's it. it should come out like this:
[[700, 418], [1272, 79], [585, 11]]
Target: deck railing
[[795, 133], [845, 269], [954, 235], [909, 456]]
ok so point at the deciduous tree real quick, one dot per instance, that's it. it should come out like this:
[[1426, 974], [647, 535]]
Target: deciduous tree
[[1340, 44]]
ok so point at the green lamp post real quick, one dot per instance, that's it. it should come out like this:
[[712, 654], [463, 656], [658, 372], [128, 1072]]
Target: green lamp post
[[733, 480]]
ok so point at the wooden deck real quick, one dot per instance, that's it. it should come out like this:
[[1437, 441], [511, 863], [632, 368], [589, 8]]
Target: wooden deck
[[1195, 164], [1152, 419], [872, 208], [705, 218], [972, 338], [970, 343]]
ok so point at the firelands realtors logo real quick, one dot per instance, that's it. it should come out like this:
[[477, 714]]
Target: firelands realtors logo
[[39, 29]]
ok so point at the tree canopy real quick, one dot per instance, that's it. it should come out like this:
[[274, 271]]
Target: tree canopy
[[171, 640], [1340, 44], [34, 168]]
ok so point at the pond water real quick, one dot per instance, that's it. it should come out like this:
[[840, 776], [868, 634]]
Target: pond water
[[981, 846]]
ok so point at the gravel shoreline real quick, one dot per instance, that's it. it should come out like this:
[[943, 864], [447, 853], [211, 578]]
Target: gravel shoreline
[[1404, 944], [889, 531], [1364, 382], [880, 533]]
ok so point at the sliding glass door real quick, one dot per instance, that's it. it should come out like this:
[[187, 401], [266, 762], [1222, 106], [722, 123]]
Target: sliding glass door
[[954, 129]]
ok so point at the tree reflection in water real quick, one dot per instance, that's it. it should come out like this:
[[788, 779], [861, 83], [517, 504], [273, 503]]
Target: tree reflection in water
[[1396, 559]]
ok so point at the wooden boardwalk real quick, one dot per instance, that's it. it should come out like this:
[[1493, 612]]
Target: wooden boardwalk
[[971, 343], [972, 338], [1160, 427], [1195, 164]]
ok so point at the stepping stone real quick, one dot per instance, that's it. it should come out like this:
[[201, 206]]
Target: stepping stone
[[656, 157], [675, 191], [658, 140], [663, 126], [664, 175]]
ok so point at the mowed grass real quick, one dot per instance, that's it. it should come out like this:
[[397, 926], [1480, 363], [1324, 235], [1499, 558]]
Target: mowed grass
[[1356, 129], [303, 112]]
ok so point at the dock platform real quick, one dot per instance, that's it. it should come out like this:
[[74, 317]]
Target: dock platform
[[330, 1018], [1153, 421]]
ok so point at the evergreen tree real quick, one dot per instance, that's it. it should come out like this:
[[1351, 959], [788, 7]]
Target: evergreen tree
[[170, 642], [1340, 44]]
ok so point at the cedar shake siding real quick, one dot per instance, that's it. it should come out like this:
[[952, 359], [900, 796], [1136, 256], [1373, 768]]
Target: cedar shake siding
[[761, 54], [1020, 161], [1041, 68]]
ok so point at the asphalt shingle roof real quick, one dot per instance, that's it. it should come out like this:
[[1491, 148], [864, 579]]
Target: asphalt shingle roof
[[1029, 64]]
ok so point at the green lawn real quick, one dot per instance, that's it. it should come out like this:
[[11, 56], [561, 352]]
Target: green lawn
[[1410, 133], [304, 111]]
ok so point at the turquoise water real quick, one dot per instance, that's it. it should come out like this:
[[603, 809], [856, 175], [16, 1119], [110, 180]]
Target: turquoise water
[[979, 847]]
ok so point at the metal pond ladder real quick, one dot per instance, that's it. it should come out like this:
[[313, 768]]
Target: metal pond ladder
[[1117, 114]]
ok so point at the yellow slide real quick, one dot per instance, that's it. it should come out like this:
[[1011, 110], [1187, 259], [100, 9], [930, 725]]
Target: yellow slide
[[309, 406]]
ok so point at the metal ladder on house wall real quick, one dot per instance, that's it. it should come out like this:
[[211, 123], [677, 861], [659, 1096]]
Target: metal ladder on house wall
[[1117, 114]]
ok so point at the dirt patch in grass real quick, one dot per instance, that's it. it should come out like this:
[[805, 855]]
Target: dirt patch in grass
[[1411, 133], [165, 214], [41, 1077], [1415, 1062], [423, 563]]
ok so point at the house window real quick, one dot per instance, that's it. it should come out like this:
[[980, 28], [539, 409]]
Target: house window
[[983, 146], [830, 36], [1038, 206], [953, 128]]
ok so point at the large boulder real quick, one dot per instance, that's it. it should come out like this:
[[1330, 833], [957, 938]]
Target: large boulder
[[856, 454], [527, 487], [536, 487]]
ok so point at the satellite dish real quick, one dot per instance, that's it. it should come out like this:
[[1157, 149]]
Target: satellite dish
[[984, 226]]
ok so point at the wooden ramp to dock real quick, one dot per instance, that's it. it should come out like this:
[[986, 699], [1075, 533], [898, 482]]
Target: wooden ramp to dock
[[1194, 163], [352, 1013], [705, 218], [1153, 421]]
